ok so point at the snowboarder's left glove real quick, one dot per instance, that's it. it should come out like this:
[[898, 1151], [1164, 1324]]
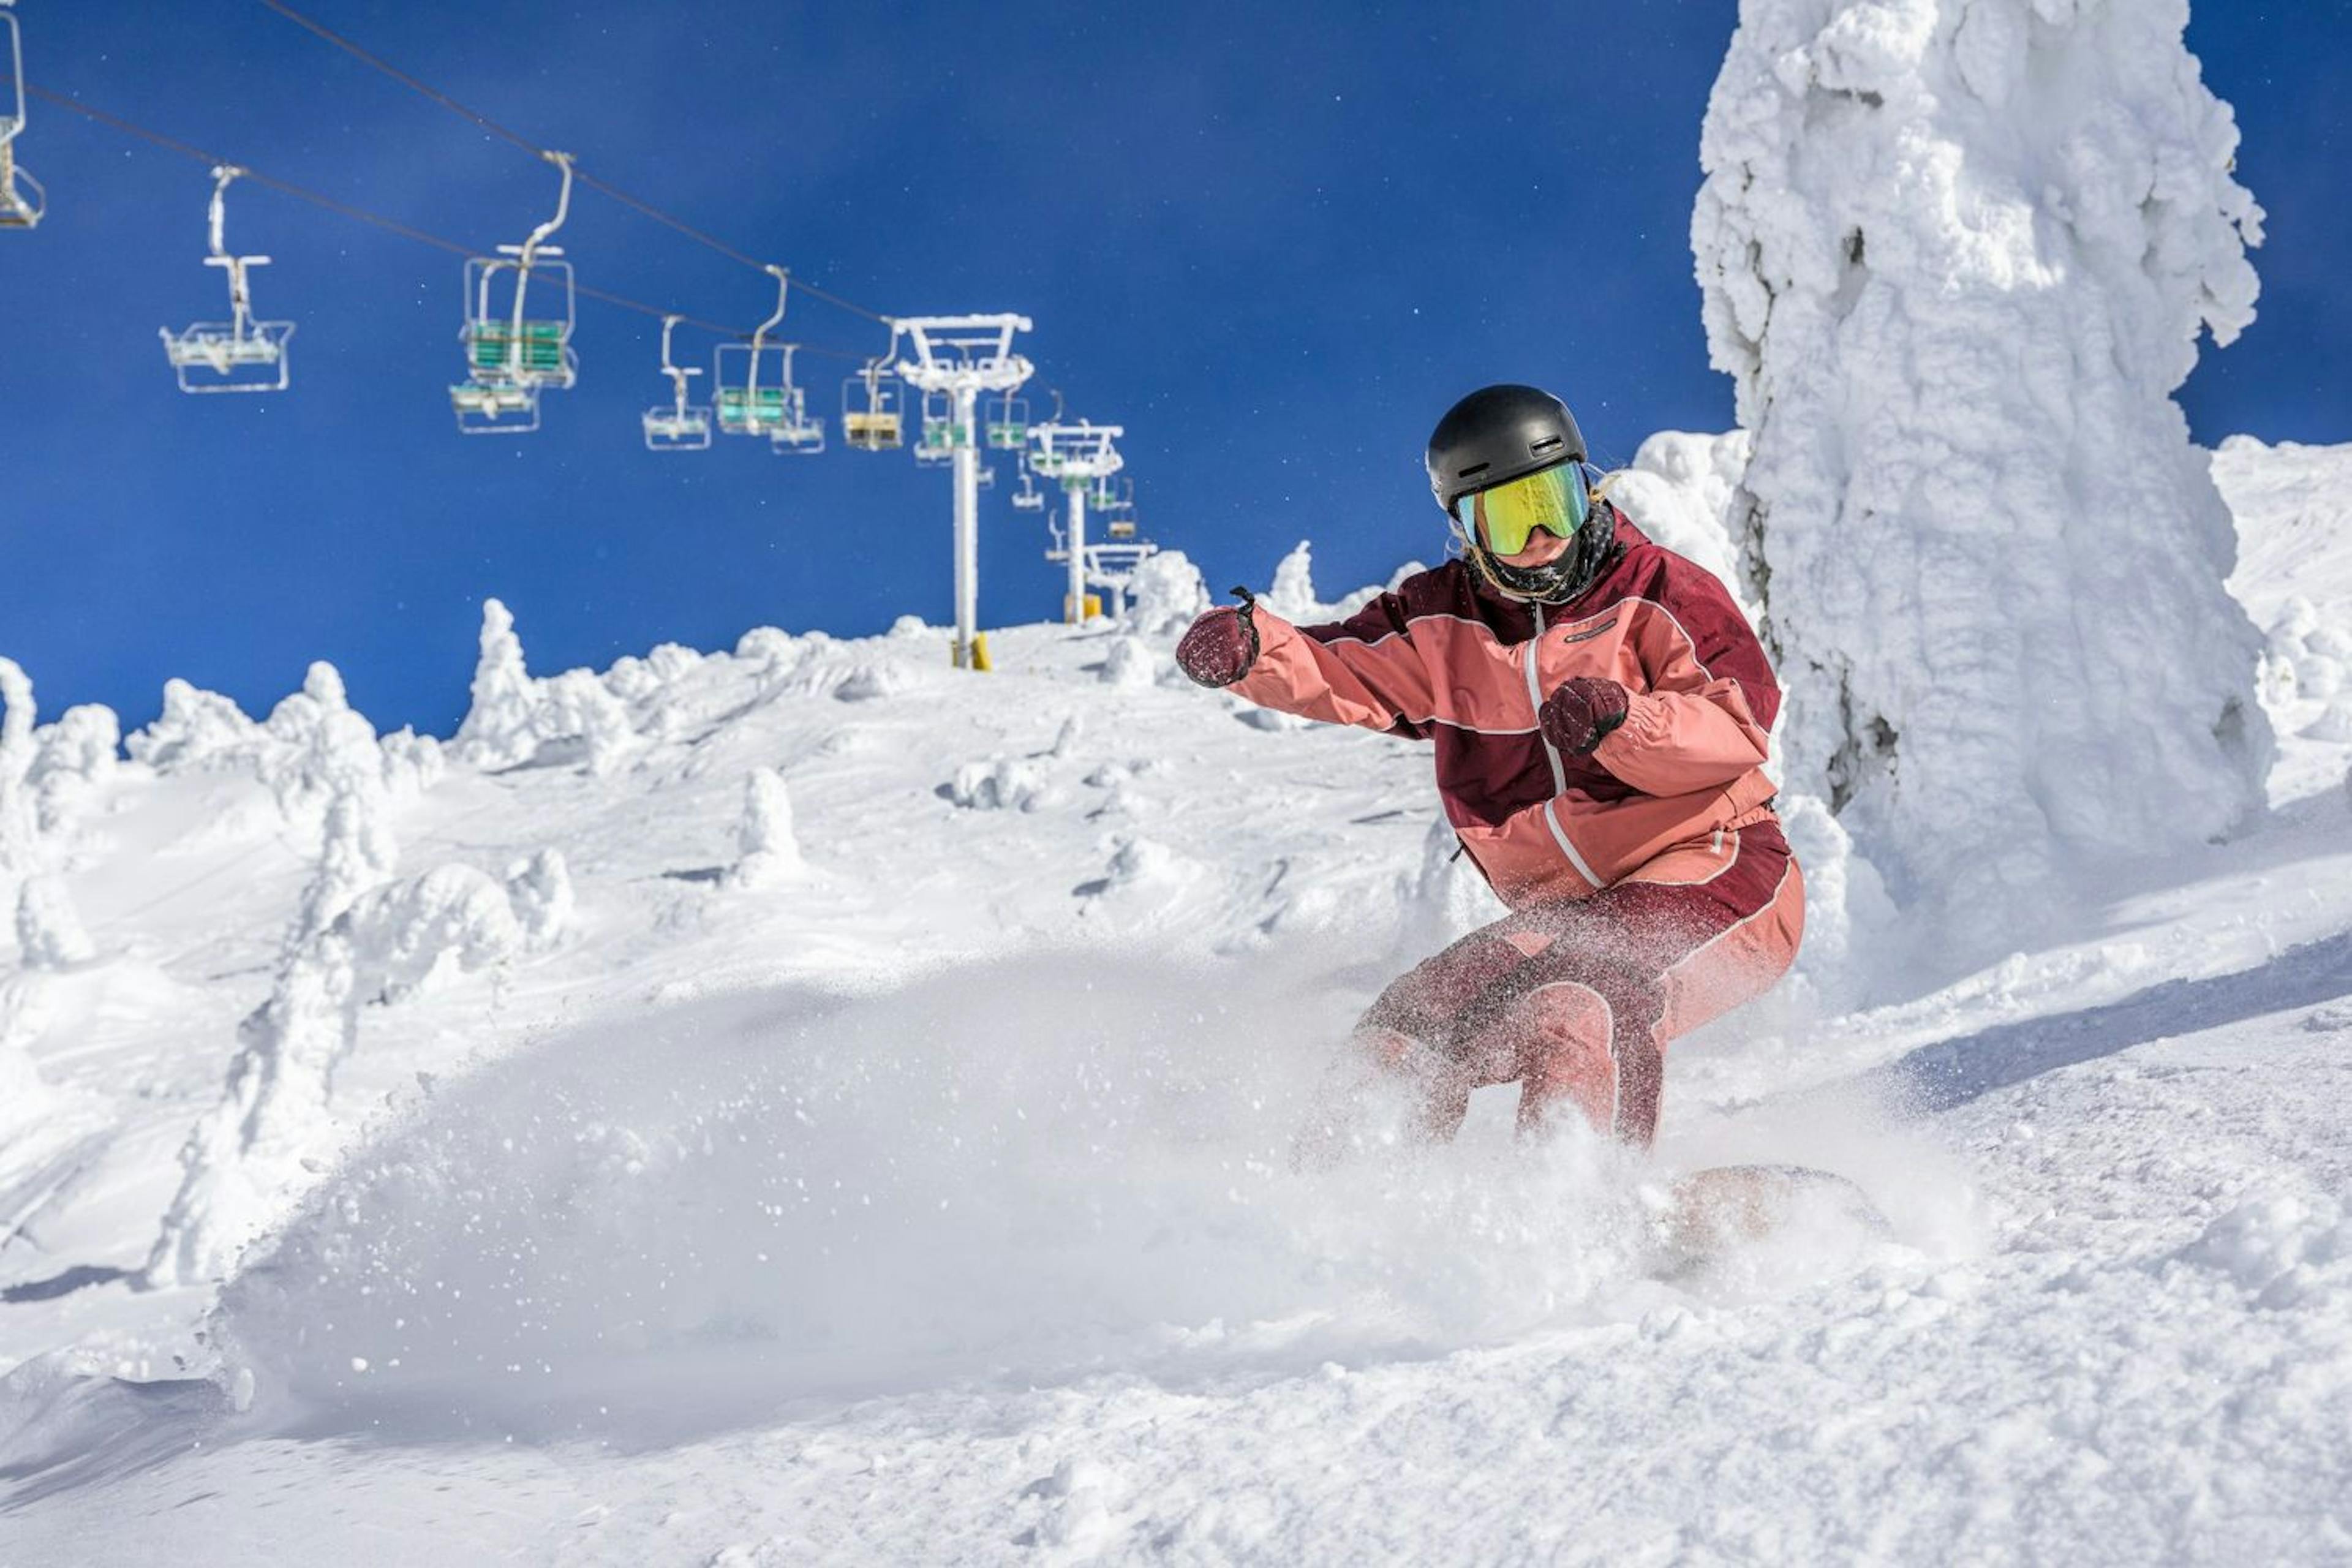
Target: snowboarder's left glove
[[1580, 712], [1222, 644]]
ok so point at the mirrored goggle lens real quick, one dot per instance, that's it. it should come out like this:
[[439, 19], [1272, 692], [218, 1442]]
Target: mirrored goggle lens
[[1554, 501]]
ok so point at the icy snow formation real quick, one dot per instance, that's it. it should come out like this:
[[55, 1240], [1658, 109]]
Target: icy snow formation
[[516, 719], [196, 730], [48, 932], [1957, 254], [1680, 489], [1167, 592], [19, 823], [1293, 594], [771, 853], [275, 1122]]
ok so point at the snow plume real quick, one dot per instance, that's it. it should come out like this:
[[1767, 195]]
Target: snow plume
[[1957, 254], [275, 1125], [770, 852], [1031, 1171], [575, 717]]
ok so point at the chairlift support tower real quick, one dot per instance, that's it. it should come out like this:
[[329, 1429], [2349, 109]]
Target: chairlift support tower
[[1113, 566], [22, 200], [1081, 454], [961, 357], [239, 354]]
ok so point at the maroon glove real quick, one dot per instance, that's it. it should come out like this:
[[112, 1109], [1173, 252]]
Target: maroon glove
[[1580, 712], [1222, 644]]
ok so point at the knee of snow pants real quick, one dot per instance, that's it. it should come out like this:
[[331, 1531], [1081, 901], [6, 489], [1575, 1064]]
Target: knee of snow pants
[[1576, 1002]]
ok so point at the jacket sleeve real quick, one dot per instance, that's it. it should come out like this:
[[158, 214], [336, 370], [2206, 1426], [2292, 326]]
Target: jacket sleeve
[[1706, 718], [1363, 670]]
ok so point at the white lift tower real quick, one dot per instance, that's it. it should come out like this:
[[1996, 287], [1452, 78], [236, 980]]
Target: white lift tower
[[958, 358], [22, 200], [1081, 455]]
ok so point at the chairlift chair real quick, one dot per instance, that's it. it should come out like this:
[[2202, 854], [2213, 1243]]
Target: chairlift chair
[[681, 426], [799, 435], [754, 395], [937, 442], [1008, 423], [1028, 498], [869, 408], [239, 354], [1120, 528], [512, 355], [22, 200]]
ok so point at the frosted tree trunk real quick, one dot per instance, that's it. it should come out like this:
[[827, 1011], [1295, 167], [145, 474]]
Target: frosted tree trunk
[[1958, 253]]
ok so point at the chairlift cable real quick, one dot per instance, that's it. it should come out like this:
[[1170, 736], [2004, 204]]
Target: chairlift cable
[[487, 123], [362, 215]]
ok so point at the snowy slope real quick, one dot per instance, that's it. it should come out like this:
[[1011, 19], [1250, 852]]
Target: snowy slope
[[871, 1144]]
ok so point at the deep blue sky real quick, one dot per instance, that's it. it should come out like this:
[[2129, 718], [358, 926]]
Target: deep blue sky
[[1274, 242]]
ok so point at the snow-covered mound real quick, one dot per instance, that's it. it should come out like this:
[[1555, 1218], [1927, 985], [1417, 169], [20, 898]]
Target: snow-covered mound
[[1957, 254]]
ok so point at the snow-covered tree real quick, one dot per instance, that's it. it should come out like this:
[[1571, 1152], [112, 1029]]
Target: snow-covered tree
[[197, 729], [1957, 254], [48, 930], [275, 1122], [764, 836], [1166, 595], [1293, 594], [500, 730], [19, 825], [513, 716]]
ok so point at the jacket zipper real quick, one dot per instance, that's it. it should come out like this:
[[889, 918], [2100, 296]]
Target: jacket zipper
[[1552, 755], [1534, 697]]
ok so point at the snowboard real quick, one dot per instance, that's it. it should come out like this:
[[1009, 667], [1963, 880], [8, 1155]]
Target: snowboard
[[1709, 1216]]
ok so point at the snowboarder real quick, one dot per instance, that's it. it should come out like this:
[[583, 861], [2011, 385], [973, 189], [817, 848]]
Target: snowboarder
[[1599, 712]]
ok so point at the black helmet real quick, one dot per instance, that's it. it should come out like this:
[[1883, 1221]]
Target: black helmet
[[1499, 433], [1502, 433]]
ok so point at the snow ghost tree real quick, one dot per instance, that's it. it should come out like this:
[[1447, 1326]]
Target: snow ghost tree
[[19, 827], [515, 719], [770, 852], [1957, 254], [1293, 593]]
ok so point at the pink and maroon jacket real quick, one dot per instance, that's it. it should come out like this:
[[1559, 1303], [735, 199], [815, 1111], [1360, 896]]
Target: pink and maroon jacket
[[1442, 659]]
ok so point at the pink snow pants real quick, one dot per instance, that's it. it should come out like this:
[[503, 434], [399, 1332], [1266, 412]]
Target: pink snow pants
[[1576, 1001]]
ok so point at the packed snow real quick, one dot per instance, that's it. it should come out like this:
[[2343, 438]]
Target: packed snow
[[843, 1110]]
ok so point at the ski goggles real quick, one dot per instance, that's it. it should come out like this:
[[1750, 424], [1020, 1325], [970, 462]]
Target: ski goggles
[[1554, 499]]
